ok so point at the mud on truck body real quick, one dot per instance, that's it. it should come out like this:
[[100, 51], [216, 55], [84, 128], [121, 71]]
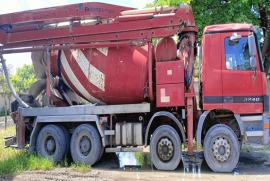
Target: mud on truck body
[[140, 95]]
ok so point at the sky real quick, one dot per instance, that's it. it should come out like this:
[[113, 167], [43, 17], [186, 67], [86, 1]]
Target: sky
[[10, 6]]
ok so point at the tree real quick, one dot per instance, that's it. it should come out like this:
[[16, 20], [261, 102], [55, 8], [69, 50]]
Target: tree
[[23, 78], [29, 81], [4, 89], [16, 82], [4, 85], [208, 12]]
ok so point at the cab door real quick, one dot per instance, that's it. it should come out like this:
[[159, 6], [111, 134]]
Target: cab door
[[242, 85]]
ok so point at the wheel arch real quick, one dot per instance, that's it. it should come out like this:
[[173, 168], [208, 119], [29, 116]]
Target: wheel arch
[[201, 122], [173, 118]]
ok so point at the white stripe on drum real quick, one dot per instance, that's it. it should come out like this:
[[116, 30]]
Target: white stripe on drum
[[76, 83], [96, 77]]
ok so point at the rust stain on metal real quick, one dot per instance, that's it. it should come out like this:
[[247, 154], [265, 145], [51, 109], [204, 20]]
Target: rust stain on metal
[[89, 71]]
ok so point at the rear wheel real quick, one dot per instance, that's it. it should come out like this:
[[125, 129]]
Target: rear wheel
[[85, 145], [221, 148], [67, 138], [165, 148], [101, 152], [51, 142]]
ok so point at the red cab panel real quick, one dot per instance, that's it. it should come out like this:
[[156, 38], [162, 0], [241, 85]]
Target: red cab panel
[[170, 95], [169, 72], [211, 72], [264, 84]]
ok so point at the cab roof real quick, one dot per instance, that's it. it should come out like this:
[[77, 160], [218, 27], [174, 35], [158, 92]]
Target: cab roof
[[228, 27]]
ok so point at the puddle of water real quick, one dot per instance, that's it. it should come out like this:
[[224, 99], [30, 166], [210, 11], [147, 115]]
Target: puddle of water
[[192, 163], [133, 160], [191, 170]]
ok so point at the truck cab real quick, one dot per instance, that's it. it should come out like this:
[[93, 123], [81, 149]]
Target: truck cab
[[233, 92], [231, 81]]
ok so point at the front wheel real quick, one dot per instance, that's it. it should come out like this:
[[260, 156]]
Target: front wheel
[[165, 148], [221, 148]]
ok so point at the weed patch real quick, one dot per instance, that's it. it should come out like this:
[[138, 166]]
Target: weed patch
[[14, 161], [81, 167]]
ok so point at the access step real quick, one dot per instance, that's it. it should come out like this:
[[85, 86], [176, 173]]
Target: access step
[[254, 133], [251, 118]]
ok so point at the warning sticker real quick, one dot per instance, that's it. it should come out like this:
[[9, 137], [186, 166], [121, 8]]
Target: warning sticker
[[169, 72], [163, 97]]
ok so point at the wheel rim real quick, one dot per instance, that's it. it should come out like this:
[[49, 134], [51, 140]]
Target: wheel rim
[[165, 149], [221, 149], [50, 145], [84, 146]]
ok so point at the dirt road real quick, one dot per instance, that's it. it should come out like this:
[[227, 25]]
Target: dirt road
[[253, 165]]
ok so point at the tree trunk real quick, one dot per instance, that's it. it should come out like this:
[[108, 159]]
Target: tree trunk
[[266, 48], [263, 17], [267, 62]]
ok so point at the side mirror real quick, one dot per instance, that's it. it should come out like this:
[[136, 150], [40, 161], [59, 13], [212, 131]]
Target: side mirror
[[234, 39], [253, 62], [252, 50], [251, 45]]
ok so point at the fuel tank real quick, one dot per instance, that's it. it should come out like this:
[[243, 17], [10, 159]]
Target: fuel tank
[[105, 75]]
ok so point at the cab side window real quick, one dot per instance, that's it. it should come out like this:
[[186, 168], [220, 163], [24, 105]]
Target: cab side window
[[237, 55]]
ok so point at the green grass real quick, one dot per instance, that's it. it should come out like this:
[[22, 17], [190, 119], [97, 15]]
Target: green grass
[[81, 167], [139, 156], [14, 161], [24, 161], [194, 146]]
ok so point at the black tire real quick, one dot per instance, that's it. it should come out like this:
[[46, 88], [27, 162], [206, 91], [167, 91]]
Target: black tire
[[51, 143], [230, 145], [85, 145], [67, 138], [101, 152], [168, 133]]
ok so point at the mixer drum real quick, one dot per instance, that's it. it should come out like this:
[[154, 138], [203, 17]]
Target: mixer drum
[[107, 75]]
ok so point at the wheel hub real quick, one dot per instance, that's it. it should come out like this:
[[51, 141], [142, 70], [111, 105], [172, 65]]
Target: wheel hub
[[50, 145], [85, 145], [221, 149], [165, 149]]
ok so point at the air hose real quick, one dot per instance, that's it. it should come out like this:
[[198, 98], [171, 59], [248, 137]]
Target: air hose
[[189, 77]]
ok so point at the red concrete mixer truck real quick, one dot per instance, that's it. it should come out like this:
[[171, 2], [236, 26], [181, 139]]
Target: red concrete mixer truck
[[139, 94]]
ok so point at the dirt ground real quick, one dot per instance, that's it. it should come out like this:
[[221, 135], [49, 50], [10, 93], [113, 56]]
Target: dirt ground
[[253, 165]]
